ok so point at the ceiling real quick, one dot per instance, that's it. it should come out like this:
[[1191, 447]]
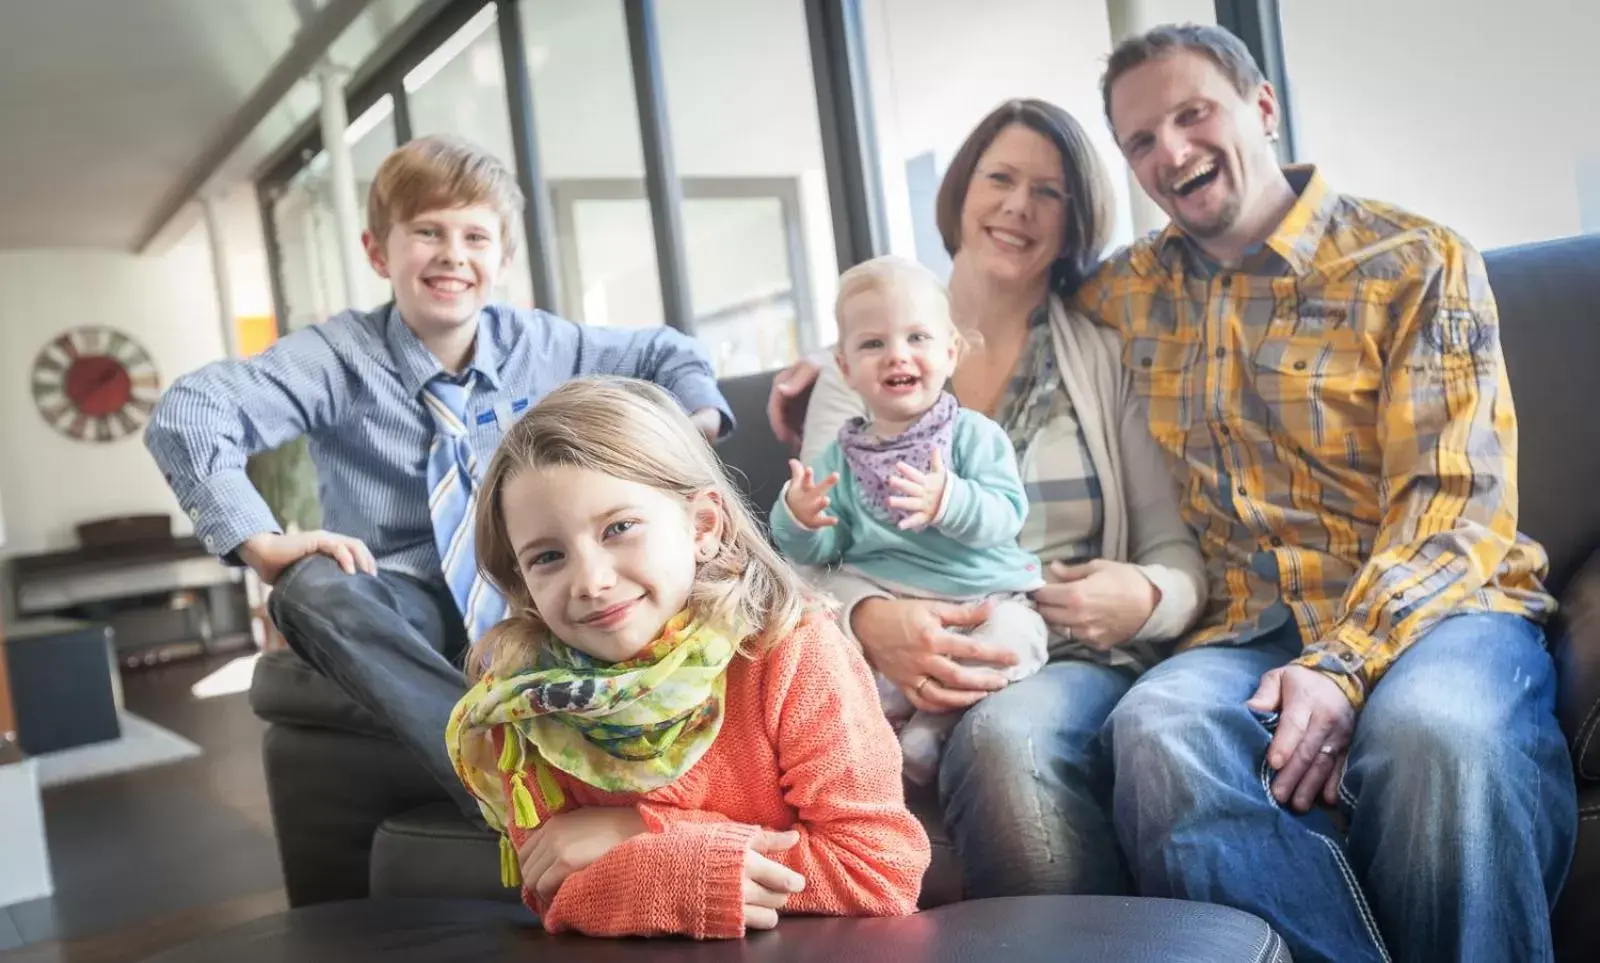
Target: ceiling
[[107, 105]]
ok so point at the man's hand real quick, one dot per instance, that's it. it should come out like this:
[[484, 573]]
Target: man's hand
[[1315, 725], [1099, 603], [920, 492], [807, 499], [269, 554], [571, 841], [786, 405], [910, 642], [768, 884], [709, 421]]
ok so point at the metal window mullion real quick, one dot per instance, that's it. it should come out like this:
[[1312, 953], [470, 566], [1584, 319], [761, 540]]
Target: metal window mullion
[[525, 144], [844, 114], [1260, 25], [660, 169]]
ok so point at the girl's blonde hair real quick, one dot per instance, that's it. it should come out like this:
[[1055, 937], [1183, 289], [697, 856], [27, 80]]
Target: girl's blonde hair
[[635, 431], [891, 273]]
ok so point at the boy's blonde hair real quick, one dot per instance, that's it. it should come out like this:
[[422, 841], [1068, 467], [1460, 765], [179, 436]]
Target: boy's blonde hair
[[442, 173], [635, 431], [890, 273]]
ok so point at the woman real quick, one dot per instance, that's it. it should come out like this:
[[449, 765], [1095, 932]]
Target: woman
[[1025, 209]]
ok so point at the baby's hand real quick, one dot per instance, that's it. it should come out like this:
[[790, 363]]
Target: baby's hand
[[920, 492], [807, 498]]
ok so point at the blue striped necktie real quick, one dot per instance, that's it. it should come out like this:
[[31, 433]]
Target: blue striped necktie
[[452, 496]]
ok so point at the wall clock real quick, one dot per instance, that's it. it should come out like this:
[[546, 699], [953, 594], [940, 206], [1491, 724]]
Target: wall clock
[[95, 384]]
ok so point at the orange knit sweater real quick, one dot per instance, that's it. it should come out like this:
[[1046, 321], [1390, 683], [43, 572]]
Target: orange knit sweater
[[803, 746]]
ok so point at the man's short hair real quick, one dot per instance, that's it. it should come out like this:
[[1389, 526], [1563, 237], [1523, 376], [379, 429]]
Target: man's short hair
[[1217, 45], [442, 173]]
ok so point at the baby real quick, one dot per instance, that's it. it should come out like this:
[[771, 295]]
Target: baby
[[923, 497]]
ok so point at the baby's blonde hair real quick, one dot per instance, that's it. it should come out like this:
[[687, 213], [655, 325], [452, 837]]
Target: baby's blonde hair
[[890, 273], [635, 431]]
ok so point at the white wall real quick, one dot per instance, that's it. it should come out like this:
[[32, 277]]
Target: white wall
[[167, 304], [1482, 114]]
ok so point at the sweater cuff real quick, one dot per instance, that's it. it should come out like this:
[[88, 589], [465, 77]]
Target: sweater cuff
[[1175, 609], [725, 846]]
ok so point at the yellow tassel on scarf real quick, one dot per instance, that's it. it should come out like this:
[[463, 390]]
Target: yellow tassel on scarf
[[522, 807], [510, 872]]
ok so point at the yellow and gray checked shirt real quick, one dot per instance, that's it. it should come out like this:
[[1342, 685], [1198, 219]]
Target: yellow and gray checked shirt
[[1338, 412]]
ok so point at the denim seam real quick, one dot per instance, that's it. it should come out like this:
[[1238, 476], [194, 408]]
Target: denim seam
[[1344, 870], [1354, 887]]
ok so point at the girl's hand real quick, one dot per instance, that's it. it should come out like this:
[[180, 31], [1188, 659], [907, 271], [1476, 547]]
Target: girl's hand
[[571, 841], [919, 492], [807, 498], [768, 884]]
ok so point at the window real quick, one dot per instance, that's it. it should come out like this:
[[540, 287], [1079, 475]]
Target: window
[[938, 67]]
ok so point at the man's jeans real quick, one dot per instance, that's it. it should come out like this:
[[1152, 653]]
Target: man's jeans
[[1459, 794], [1026, 787], [392, 642]]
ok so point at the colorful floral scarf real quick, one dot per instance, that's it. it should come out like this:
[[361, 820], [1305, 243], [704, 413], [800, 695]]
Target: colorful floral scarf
[[631, 726]]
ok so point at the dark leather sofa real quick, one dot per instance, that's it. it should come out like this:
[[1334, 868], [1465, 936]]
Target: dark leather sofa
[[356, 816]]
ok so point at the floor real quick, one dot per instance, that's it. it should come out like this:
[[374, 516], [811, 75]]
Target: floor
[[152, 859]]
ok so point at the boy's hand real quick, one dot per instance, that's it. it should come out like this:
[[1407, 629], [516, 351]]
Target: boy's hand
[[269, 554], [807, 498], [920, 492], [768, 884], [709, 421], [570, 842]]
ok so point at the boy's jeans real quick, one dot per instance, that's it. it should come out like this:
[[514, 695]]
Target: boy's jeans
[[1459, 793], [393, 642]]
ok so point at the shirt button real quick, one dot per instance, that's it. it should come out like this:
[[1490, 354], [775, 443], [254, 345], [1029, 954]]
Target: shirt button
[[1299, 366], [211, 544], [1145, 362], [1276, 541], [1222, 352], [194, 514], [1224, 430], [1242, 492]]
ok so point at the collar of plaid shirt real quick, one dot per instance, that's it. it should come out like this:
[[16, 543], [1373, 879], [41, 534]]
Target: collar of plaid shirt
[[1337, 409]]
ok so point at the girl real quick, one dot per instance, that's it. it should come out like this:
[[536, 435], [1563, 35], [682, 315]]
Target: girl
[[668, 738], [926, 498]]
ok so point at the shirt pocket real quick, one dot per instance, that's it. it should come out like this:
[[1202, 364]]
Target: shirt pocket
[[1168, 375], [1319, 391]]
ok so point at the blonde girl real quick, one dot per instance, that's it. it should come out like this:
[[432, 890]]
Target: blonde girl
[[669, 739]]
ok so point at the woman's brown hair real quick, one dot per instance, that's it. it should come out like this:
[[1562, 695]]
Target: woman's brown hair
[[632, 430], [1087, 225]]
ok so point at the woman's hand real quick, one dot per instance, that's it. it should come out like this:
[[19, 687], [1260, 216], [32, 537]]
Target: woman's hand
[[1100, 603], [571, 841], [786, 404], [910, 642], [768, 884]]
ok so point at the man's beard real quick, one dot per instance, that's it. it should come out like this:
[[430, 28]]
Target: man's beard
[[1215, 226]]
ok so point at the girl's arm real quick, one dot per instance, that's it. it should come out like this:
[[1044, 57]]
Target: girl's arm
[[861, 851]]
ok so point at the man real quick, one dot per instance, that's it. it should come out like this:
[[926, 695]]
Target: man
[[1326, 375]]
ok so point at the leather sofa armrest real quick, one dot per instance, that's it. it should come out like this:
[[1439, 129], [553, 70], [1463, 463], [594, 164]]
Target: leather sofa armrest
[[1576, 648]]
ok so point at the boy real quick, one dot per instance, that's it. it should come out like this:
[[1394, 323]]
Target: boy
[[402, 406]]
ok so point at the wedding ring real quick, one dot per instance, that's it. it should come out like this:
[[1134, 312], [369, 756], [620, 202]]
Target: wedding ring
[[1326, 750], [920, 683]]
